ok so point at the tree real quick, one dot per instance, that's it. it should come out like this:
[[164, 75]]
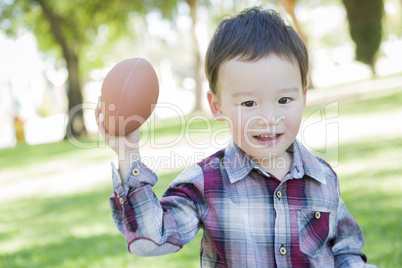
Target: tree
[[197, 56], [290, 6], [69, 29], [365, 27]]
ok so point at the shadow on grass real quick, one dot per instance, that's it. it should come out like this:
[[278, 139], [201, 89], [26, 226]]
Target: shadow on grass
[[75, 231], [69, 250]]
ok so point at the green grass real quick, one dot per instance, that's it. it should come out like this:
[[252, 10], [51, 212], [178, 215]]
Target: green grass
[[177, 126], [28, 156], [76, 230], [390, 101], [371, 187], [385, 101]]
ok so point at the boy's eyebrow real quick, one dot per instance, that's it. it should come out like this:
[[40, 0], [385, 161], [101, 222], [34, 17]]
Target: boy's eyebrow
[[250, 93], [290, 89], [243, 93]]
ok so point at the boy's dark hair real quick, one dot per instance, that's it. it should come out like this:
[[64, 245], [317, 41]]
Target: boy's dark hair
[[252, 35]]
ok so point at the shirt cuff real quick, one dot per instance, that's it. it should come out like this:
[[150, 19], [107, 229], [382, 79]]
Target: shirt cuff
[[138, 175]]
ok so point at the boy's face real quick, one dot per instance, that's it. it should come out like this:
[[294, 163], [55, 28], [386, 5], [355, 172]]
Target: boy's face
[[263, 102]]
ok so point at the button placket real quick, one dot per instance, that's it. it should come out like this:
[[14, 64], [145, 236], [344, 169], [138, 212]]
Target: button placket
[[282, 250]]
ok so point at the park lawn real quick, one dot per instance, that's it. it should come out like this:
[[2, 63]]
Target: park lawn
[[28, 156], [371, 187], [24, 155], [378, 102], [371, 103], [76, 230]]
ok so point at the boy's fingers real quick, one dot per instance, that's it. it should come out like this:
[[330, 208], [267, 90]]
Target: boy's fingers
[[96, 111], [100, 120], [109, 139], [101, 124], [98, 108], [99, 104]]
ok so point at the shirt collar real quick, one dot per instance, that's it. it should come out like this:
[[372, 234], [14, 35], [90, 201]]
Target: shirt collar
[[305, 163], [238, 165]]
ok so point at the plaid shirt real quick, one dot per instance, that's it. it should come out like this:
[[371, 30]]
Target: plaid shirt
[[249, 218]]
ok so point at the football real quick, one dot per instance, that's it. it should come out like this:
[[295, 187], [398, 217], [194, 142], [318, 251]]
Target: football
[[129, 94]]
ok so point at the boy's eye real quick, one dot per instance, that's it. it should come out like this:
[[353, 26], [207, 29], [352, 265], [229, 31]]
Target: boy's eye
[[284, 100], [248, 103]]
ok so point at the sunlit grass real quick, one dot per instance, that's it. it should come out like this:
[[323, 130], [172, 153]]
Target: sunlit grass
[[74, 231], [27, 156], [77, 231], [371, 187], [385, 101]]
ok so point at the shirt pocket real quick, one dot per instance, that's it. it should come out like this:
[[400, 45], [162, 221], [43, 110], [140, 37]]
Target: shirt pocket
[[313, 228]]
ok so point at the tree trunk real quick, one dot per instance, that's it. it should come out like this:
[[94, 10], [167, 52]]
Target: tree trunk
[[197, 57], [75, 125], [373, 71], [289, 6]]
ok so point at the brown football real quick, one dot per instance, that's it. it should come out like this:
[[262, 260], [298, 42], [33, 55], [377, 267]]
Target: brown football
[[129, 92]]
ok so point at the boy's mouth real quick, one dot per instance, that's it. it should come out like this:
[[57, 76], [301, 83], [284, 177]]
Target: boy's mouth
[[267, 136], [268, 139]]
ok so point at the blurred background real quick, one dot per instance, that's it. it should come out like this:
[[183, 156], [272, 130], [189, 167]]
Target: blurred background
[[55, 173]]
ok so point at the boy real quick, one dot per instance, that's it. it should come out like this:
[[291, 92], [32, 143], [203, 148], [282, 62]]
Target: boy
[[264, 201]]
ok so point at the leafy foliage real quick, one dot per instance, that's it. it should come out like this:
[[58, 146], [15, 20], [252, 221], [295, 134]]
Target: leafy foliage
[[86, 25], [365, 25], [78, 31]]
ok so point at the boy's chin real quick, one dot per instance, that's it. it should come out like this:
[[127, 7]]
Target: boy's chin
[[264, 154]]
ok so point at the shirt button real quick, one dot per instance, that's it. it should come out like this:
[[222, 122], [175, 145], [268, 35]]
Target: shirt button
[[279, 194], [282, 250], [317, 215], [121, 200], [135, 172]]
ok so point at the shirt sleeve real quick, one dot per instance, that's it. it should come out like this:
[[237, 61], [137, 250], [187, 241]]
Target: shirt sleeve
[[151, 226], [348, 241]]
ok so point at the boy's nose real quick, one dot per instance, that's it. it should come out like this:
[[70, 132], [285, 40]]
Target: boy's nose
[[269, 118], [265, 121]]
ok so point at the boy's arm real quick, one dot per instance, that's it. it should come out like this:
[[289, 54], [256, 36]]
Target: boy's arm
[[151, 226], [349, 240]]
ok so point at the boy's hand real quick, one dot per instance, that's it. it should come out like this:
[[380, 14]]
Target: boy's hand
[[120, 144], [126, 147]]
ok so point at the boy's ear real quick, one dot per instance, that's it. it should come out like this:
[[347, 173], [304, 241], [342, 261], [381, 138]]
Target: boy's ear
[[304, 97], [214, 105]]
